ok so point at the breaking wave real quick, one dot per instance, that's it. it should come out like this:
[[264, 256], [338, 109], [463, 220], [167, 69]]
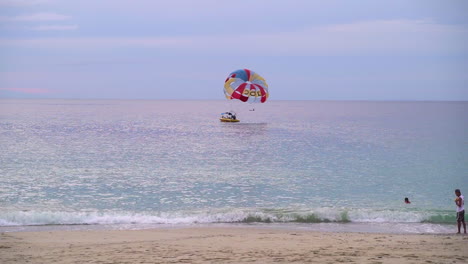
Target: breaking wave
[[320, 215]]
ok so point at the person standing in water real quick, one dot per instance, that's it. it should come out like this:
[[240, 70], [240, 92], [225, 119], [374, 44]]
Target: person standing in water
[[460, 202]]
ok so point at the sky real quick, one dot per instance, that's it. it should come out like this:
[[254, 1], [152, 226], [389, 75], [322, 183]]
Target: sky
[[184, 49]]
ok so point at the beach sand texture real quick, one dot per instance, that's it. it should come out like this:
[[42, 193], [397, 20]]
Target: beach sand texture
[[229, 245]]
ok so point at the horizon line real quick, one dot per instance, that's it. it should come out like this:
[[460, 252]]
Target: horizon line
[[276, 100]]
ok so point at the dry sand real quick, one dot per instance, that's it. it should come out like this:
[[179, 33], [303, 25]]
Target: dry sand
[[229, 245]]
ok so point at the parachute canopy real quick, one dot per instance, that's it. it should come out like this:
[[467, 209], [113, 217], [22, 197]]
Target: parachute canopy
[[247, 86]]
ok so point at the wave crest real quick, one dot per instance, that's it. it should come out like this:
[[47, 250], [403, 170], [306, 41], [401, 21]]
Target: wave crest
[[319, 215]]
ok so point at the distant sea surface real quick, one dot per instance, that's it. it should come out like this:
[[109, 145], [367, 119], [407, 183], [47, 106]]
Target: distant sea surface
[[314, 165]]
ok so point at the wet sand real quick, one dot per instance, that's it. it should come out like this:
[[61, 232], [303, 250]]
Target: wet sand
[[229, 245]]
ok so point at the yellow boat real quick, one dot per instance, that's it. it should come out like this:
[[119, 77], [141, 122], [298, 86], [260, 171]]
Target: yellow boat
[[229, 120], [229, 117]]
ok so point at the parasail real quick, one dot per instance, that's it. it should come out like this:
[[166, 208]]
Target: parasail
[[247, 86]]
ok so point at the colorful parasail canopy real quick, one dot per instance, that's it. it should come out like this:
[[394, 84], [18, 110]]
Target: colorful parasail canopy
[[247, 86]]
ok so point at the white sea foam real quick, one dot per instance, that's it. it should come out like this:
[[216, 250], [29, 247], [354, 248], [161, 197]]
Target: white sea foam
[[320, 215]]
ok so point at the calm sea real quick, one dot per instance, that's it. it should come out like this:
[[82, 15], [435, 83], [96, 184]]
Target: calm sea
[[346, 166]]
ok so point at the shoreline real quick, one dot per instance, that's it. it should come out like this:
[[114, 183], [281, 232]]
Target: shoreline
[[334, 227], [234, 244]]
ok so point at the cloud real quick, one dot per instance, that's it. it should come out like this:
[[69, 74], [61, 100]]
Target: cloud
[[28, 90], [393, 36], [21, 3], [369, 37], [97, 42], [35, 17], [54, 27]]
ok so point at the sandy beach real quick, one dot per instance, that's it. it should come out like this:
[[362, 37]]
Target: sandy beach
[[229, 245]]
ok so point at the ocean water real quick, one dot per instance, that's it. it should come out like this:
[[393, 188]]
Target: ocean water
[[346, 166]]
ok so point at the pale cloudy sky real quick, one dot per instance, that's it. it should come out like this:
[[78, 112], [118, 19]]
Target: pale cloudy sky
[[183, 49]]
